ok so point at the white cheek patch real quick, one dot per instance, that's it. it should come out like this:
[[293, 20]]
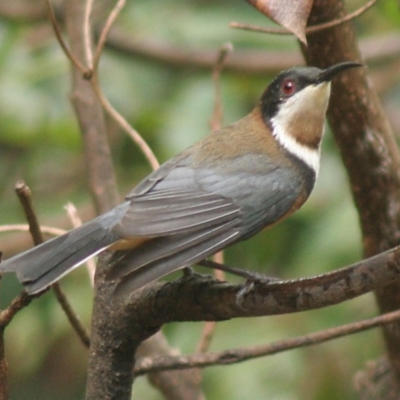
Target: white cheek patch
[[309, 156], [310, 102]]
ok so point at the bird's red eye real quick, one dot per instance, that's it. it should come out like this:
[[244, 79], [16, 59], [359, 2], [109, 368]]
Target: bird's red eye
[[288, 87]]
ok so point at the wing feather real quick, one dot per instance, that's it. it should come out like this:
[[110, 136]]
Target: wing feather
[[159, 248], [188, 214], [173, 219], [190, 250]]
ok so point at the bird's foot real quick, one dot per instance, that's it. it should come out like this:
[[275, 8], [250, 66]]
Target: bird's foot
[[248, 286]]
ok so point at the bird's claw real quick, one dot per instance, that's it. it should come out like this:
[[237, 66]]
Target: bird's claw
[[248, 286]]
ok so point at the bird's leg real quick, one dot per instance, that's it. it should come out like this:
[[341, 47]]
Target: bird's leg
[[250, 276], [189, 273]]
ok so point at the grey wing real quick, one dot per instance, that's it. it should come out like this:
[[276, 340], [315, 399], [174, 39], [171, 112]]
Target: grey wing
[[189, 214], [179, 198], [184, 223], [172, 201]]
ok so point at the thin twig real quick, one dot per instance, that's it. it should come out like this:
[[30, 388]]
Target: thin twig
[[219, 259], [244, 354], [87, 40], [310, 29], [121, 121], [25, 197], [347, 18], [92, 75], [73, 216], [104, 33], [61, 41], [73, 318], [216, 118], [207, 334], [17, 304], [25, 228], [209, 327]]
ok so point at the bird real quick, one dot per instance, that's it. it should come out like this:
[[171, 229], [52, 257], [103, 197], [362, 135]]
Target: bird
[[224, 189]]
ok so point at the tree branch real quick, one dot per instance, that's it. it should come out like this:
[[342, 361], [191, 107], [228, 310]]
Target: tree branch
[[181, 385], [368, 149], [233, 356], [198, 298], [110, 372]]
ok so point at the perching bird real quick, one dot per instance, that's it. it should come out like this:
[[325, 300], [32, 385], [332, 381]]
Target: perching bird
[[226, 188]]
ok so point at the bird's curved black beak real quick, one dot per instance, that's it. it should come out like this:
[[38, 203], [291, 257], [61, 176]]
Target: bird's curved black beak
[[327, 74]]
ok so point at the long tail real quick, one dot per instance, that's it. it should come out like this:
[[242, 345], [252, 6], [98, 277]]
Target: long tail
[[42, 265]]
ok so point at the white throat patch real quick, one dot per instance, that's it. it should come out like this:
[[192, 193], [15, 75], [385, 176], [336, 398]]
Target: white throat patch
[[311, 101]]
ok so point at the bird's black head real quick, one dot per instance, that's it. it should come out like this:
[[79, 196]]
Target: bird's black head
[[290, 82], [294, 107]]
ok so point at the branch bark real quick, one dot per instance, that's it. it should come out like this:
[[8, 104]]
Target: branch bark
[[233, 356], [200, 298], [184, 385], [368, 149], [113, 344]]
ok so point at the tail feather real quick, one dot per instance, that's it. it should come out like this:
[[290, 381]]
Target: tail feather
[[42, 265], [178, 251]]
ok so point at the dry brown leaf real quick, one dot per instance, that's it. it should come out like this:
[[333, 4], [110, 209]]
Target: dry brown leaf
[[291, 14]]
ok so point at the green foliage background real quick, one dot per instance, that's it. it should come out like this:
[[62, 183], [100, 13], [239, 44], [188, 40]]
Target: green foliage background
[[171, 107]]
